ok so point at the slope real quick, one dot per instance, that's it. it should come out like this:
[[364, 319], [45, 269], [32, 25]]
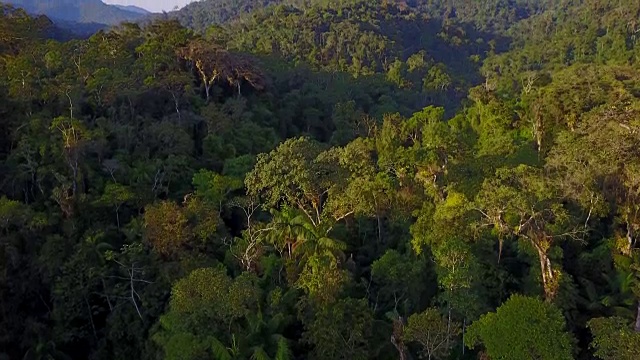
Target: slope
[[134, 9], [490, 15], [200, 15], [79, 11]]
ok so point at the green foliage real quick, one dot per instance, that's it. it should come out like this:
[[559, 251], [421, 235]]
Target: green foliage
[[614, 338], [400, 278], [458, 276], [321, 278], [213, 187], [205, 314], [303, 180], [202, 15], [214, 289], [11, 213], [290, 173], [283, 352], [522, 327], [341, 331], [166, 228], [433, 332]]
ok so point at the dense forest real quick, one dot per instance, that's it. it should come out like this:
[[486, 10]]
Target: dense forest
[[200, 15], [349, 179]]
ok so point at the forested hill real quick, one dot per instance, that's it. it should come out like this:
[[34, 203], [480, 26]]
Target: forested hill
[[78, 11], [324, 180], [134, 9], [78, 18], [200, 15], [489, 15]]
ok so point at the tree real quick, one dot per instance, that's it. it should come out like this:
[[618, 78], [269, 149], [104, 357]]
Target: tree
[[437, 78], [211, 62], [12, 213], [215, 188], [341, 331], [438, 146], [322, 279], [613, 338], [458, 273], [399, 278], [369, 189], [520, 202], [295, 175], [522, 328], [597, 166], [129, 288], [206, 315], [157, 57], [116, 195], [304, 182], [214, 63], [75, 137], [432, 332], [166, 228], [248, 248]]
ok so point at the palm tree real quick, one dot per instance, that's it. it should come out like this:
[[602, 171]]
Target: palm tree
[[316, 241], [296, 235], [287, 229]]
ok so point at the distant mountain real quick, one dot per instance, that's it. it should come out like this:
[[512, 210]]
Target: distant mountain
[[134, 9], [78, 11]]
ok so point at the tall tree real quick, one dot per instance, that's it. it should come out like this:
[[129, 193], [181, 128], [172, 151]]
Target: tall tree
[[341, 331], [433, 332], [522, 328], [521, 202], [614, 339]]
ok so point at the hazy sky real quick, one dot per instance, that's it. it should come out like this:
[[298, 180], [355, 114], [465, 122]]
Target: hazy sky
[[152, 5]]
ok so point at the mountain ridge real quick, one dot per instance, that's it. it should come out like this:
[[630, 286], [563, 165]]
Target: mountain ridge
[[134, 9], [79, 11], [200, 15]]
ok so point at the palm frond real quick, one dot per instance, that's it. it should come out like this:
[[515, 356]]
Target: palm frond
[[283, 352], [220, 352], [260, 354]]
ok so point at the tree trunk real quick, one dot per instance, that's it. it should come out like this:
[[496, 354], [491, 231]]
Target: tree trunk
[[448, 325], [207, 89], [104, 286], [177, 105], [548, 278], [630, 235], [396, 338], [93, 326], [74, 169], [638, 319], [379, 227], [464, 325], [400, 347], [118, 216], [538, 132]]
